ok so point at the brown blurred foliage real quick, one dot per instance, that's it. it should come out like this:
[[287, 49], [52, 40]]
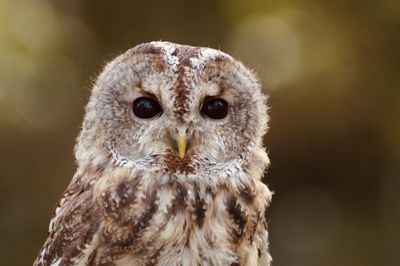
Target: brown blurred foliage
[[331, 70]]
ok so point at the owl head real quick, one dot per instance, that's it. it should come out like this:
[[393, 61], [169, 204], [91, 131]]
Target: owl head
[[163, 102]]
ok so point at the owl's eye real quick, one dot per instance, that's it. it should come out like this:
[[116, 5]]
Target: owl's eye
[[146, 107], [215, 108]]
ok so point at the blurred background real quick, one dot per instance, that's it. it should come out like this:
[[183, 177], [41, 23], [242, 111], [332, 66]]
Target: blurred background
[[331, 69]]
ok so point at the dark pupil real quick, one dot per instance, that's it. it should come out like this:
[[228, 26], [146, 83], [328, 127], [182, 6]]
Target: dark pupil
[[215, 108], [145, 107]]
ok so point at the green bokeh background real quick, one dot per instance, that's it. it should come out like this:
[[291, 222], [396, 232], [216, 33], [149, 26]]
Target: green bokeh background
[[331, 69]]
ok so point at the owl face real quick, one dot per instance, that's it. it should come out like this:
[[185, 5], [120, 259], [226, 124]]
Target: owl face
[[162, 101]]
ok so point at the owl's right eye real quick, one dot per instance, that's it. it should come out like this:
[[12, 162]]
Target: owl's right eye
[[146, 107]]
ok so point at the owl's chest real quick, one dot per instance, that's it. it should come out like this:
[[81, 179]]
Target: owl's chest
[[183, 225]]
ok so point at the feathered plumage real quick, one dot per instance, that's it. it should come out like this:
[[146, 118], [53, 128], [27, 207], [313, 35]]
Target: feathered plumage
[[134, 200]]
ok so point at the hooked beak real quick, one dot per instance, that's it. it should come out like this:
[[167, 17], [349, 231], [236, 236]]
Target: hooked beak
[[182, 141], [182, 137]]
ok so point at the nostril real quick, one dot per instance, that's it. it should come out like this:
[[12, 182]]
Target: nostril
[[187, 130]]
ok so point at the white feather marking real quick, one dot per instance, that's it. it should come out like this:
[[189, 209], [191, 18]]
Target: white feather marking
[[169, 53], [164, 200], [51, 224], [41, 256], [205, 55], [136, 164], [56, 263]]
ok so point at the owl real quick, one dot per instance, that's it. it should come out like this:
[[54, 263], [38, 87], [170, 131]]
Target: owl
[[170, 159]]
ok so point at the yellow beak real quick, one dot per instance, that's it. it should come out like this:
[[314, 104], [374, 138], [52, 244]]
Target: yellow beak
[[182, 146]]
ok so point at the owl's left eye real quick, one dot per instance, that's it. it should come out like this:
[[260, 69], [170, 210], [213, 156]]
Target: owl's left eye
[[215, 108], [146, 107]]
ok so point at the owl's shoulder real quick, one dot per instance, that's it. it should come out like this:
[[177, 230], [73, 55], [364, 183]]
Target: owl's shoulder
[[75, 221]]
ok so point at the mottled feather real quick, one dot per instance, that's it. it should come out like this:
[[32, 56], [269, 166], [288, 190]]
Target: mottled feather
[[133, 200]]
